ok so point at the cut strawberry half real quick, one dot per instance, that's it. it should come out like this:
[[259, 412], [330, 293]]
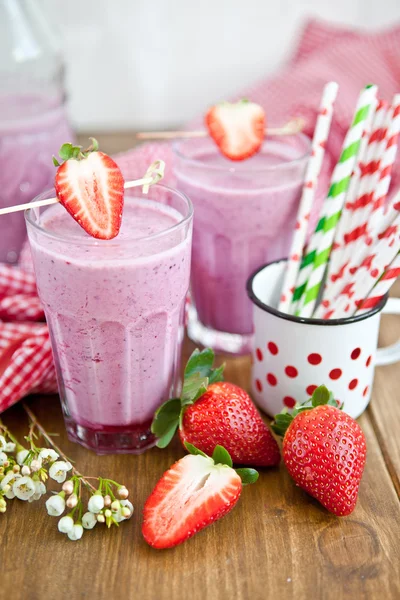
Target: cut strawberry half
[[89, 184], [196, 491], [238, 129]]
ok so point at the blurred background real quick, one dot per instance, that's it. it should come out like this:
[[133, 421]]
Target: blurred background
[[135, 64]]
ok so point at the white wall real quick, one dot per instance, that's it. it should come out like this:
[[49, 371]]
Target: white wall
[[149, 63]]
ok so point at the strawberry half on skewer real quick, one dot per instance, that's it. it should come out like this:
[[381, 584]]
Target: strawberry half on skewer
[[90, 186], [237, 128]]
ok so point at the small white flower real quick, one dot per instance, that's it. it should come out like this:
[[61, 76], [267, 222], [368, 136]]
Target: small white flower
[[36, 464], [68, 487], [101, 518], [3, 458], [96, 503], [55, 505], [107, 500], [3, 443], [7, 482], [24, 488], [40, 489], [65, 524], [89, 520], [123, 492], [125, 511], [25, 470], [116, 505], [72, 501], [126, 505], [21, 456], [47, 454], [58, 470], [76, 533], [10, 447]]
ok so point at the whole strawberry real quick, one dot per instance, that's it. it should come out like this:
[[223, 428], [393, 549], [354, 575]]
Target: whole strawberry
[[211, 412], [324, 451]]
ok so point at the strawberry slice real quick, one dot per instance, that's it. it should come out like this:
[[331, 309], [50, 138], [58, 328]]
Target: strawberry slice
[[89, 184], [196, 491], [238, 129]]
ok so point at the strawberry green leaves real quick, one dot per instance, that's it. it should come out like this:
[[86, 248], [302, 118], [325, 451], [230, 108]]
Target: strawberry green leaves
[[166, 421], [320, 397], [68, 151], [221, 456], [199, 374]]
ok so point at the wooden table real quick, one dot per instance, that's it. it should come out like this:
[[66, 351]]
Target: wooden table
[[277, 543]]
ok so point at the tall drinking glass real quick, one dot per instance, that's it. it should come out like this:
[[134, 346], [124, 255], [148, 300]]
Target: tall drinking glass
[[245, 216], [115, 311]]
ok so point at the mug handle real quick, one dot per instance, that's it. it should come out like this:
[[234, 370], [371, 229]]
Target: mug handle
[[390, 354]]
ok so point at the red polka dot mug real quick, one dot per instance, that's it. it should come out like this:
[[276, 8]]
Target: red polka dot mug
[[294, 355]]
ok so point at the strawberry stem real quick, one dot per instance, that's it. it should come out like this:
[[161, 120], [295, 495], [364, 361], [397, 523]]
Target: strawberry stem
[[321, 396]]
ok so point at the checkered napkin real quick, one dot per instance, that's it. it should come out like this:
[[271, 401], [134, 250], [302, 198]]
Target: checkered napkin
[[26, 361], [324, 53]]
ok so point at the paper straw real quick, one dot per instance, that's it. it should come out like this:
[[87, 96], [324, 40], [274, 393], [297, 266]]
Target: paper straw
[[377, 220], [382, 286], [321, 133], [351, 267], [360, 190], [369, 272], [381, 217], [313, 271]]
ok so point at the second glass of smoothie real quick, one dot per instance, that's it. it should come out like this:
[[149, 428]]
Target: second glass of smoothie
[[115, 311], [245, 216]]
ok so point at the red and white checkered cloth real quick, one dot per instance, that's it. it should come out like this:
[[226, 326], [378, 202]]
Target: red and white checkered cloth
[[324, 52]]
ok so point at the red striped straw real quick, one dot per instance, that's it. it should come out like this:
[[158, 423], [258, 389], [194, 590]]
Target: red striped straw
[[377, 221], [381, 215], [321, 133], [355, 290], [382, 286], [366, 160]]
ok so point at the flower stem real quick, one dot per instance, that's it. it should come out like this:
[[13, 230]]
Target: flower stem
[[8, 433], [48, 439]]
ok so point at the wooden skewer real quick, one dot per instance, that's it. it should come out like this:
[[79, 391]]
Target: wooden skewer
[[290, 128], [153, 175]]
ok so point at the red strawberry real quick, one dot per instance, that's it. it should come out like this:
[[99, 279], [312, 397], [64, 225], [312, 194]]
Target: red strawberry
[[196, 491], [238, 129], [324, 451], [89, 184], [226, 415], [210, 413]]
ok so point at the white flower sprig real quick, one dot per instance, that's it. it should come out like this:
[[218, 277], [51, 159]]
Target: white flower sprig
[[23, 476]]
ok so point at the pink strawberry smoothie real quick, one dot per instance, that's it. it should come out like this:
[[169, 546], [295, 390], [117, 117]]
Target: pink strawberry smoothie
[[32, 129], [115, 311], [245, 214]]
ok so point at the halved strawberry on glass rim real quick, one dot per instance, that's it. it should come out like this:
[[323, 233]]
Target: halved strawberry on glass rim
[[237, 128], [90, 185]]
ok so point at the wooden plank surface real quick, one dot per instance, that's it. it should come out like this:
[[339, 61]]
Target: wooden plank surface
[[277, 543]]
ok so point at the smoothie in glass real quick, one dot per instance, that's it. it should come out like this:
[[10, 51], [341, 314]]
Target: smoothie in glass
[[32, 129], [245, 215], [115, 311]]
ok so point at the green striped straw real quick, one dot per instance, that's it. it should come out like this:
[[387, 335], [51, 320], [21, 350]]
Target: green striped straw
[[315, 261]]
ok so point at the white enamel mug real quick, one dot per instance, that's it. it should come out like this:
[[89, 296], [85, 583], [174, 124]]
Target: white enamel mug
[[293, 355]]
